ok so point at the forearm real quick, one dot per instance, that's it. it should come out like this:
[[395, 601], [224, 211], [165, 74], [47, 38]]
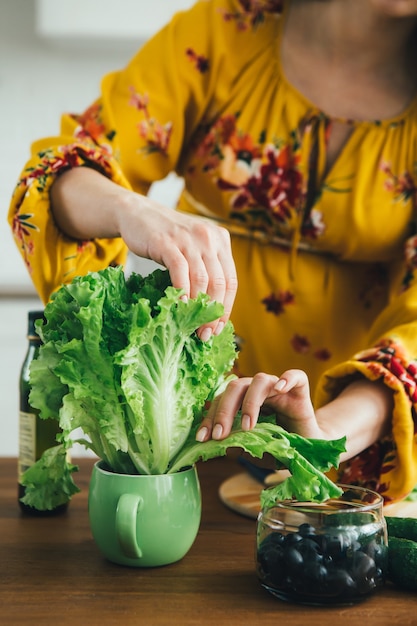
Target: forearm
[[362, 412], [197, 252], [87, 205]]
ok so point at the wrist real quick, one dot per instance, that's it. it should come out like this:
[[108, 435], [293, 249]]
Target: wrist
[[128, 207], [361, 413]]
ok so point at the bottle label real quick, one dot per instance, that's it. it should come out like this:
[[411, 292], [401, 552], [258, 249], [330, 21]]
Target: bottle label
[[27, 441]]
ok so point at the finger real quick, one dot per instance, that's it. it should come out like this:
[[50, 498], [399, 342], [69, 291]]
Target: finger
[[216, 289], [213, 271], [200, 248], [191, 282], [206, 426], [227, 264], [219, 419], [228, 405], [221, 271], [178, 268], [261, 388], [229, 298], [187, 271], [229, 294], [211, 245], [293, 379]]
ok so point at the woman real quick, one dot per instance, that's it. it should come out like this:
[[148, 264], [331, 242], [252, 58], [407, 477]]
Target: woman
[[294, 126]]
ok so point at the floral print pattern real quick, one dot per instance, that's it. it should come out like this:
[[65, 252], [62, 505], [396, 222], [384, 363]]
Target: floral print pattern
[[276, 303], [403, 188], [21, 227], [155, 134], [369, 468], [386, 361], [50, 163], [302, 345], [201, 62], [252, 12], [264, 181], [389, 361], [322, 354], [90, 124]]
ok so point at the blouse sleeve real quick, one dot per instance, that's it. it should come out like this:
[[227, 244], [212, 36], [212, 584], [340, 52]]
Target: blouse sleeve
[[390, 465], [134, 133]]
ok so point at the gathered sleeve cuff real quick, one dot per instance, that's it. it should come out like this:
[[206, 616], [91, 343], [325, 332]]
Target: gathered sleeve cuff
[[50, 257], [390, 465]]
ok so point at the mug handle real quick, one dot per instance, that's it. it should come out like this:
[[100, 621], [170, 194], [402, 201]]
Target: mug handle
[[126, 513]]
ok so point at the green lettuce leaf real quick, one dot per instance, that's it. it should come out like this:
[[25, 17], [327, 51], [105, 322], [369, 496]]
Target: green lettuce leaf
[[306, 459], [166, 389], [121, 361], [48, 482]]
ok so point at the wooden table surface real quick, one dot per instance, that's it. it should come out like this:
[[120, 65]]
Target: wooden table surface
[[52, 573]]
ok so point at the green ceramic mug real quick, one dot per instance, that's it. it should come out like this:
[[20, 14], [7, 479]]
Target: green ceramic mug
[[144, 521]]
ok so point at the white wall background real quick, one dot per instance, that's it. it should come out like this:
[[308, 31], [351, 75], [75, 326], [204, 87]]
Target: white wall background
[[40, 77]]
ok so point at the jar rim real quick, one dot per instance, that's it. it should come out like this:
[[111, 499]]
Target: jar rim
[[325, 508]]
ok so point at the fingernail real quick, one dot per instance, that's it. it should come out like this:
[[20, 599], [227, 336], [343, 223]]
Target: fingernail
[[219, 328], [217, 431], [280, 385], [201, 434], [206, 334], [184, 298], [245, 423]]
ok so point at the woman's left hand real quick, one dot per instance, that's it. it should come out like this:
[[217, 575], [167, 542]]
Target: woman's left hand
[[288, 396]]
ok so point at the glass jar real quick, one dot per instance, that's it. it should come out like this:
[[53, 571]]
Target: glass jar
[[333, 553]]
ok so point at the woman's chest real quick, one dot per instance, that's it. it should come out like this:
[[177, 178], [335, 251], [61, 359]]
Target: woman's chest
[[275, 165]]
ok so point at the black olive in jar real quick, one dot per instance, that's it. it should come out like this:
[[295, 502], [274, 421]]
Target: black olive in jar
[[329, 553]]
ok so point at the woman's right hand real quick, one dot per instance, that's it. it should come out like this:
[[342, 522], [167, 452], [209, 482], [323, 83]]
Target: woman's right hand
[[196, 252]]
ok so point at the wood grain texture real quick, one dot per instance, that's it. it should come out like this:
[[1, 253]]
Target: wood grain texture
[[52, 573]]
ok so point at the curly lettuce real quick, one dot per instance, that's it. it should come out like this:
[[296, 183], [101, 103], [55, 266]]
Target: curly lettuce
[[121, 360]]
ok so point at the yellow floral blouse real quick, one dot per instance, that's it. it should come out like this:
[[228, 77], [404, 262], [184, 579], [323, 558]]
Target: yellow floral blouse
[[326, 262]]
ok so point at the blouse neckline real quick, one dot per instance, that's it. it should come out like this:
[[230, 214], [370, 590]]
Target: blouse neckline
[[313, 108]]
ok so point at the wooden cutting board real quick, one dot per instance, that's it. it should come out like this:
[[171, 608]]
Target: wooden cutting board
[[241, 493]]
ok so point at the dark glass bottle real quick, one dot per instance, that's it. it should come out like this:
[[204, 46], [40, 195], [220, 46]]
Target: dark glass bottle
[[35, 434]]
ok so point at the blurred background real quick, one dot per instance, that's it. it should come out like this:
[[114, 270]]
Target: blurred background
[[52, 57]]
